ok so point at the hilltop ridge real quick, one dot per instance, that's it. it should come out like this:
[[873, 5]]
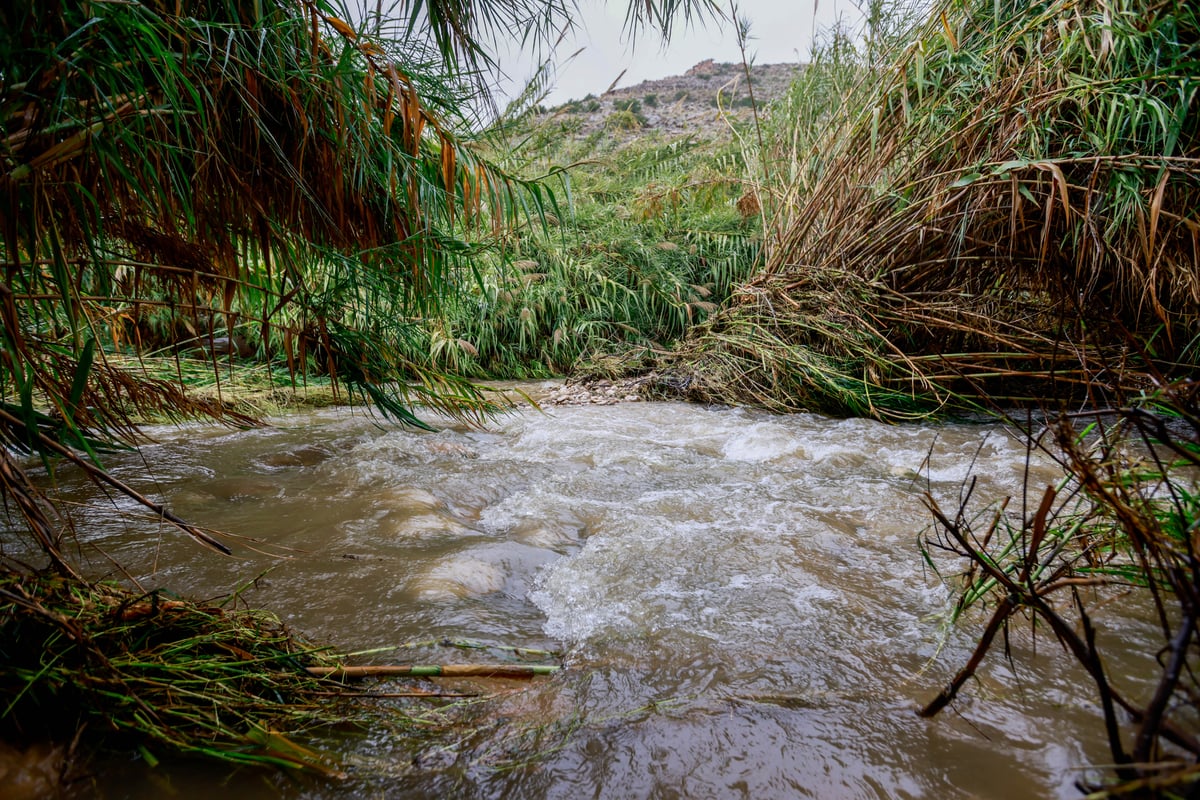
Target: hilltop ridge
[[702, 101]]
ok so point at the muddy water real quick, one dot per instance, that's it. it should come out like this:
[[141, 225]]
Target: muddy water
[[740, 598]]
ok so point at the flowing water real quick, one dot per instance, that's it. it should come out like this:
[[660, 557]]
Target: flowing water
[[740, 600]]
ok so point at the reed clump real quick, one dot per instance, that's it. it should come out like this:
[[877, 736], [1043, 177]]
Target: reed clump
[[108, 668], [1004, 195], [650, 245], [156, 673]]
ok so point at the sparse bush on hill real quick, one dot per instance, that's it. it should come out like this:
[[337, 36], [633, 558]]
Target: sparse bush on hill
[[623, 120]]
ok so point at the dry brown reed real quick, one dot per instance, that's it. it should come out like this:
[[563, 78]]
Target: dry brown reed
[[1011, 198], [1119, 532]]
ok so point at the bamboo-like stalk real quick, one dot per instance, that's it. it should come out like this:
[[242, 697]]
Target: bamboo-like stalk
[[518, 671]]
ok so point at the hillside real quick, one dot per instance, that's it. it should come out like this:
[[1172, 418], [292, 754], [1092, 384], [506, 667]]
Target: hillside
[[702, 101]]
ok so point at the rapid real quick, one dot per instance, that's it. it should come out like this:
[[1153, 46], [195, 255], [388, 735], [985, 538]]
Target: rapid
[[741, 600]]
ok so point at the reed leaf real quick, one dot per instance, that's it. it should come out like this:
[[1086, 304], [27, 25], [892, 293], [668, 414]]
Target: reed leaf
[[258, 178], [1010, 178]]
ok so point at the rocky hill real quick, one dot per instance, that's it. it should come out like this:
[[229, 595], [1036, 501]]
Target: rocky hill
[[702, 101]]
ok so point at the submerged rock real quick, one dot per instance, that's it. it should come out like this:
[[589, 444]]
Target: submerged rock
[[460, 578], [413, 498], [240, 488], [444, 448], [31, 773], [426, 526], [308, 456]]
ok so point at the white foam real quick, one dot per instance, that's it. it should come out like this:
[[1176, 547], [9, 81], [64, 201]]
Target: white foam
[[763, 441]]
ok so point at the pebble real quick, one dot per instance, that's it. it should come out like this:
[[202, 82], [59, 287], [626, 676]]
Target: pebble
[[597, 393]]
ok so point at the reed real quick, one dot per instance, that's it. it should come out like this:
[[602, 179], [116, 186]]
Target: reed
[[649, 245], [155, 673], [1122, 523], [1005, 192], [101, 665], [181, 179]]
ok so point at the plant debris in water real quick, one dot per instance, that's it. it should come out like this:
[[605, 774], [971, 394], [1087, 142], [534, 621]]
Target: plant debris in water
[[169, 676], [105, 664], [1125, 521]]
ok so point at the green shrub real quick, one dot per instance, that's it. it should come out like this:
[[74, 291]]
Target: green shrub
[[623, 120]]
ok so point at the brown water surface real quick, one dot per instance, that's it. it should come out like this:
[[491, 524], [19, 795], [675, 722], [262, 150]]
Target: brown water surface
[[740, 598]]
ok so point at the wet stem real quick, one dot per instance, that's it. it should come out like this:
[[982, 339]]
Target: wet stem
[[1124, 524]]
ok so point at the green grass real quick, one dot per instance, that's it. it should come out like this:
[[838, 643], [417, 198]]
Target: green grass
[[650, 244], [244, 386]]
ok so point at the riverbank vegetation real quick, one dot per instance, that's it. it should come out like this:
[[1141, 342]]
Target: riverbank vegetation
[[999, 211], [653, 244], [1002, 213], [993, 206], [280, 181]]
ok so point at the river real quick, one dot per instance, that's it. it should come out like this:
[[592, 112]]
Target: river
[[740, 600]]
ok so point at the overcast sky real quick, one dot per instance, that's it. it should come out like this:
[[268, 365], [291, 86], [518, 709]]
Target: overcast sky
[[780, 31]]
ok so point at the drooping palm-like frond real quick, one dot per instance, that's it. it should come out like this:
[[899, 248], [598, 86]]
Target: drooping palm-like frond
[[291, 177], [665, 15], [232, 167], [275, 177], [462, 31], [1016, 191]]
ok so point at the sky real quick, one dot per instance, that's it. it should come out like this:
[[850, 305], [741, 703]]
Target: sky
[[781, 31]]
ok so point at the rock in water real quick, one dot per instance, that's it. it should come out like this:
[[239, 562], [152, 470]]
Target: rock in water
[[32, 773]]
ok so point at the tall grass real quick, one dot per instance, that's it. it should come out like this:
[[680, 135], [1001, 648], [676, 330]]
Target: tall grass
[[1006, 191], [649, 244]]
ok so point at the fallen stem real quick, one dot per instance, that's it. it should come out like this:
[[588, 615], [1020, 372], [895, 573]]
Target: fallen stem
[[435, 671]]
